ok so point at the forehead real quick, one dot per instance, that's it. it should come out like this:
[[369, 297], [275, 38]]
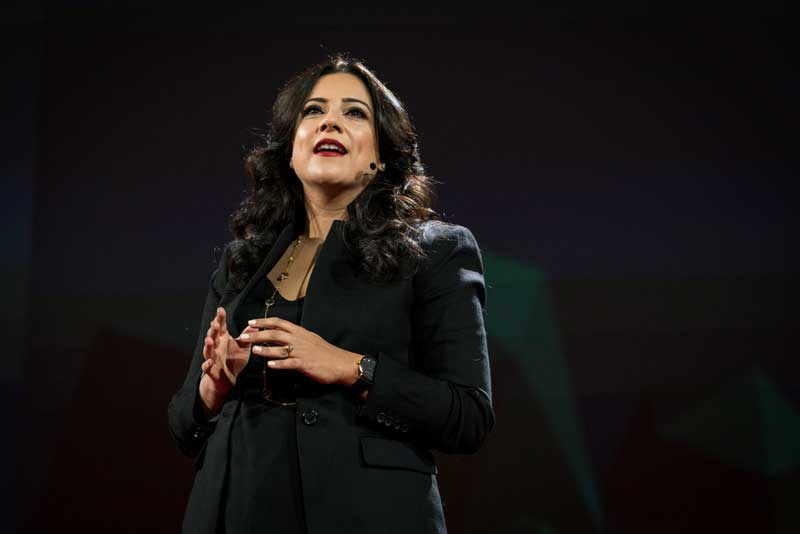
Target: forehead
[[340, 85]]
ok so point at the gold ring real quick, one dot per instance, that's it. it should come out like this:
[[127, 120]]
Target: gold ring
[[288, 349]]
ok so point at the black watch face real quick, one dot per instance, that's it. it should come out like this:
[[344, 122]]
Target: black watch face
[[367, 368]]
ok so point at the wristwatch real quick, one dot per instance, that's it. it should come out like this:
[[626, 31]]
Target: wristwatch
[[366, 372]]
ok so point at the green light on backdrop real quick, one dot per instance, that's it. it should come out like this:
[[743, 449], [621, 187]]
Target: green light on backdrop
[[520, 316], [748, 422]]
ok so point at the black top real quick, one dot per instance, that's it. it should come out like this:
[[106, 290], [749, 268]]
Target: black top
[[263, 492]]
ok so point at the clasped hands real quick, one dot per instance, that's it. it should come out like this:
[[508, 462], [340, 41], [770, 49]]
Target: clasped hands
[[226, 356]]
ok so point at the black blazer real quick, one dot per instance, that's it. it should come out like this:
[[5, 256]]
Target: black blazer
[[366, 467]]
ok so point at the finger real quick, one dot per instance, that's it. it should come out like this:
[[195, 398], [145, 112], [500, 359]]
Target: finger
[[208, 347], [215, 373], [223, 323], [286, 363], [274, 322], [270, 352], [214, 337], [215, 324], [267, 336], [243, 343]]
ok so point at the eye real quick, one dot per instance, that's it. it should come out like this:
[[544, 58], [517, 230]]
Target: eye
[[356, 112], [310, 109]]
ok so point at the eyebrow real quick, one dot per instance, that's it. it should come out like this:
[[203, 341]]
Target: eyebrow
[[345, 99]]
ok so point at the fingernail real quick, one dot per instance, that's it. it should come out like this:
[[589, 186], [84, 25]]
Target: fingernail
[[257, 348], [251, 322], [245, 336], [272, 363]]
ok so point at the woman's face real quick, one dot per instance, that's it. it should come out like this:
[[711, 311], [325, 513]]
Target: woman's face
[[339, 110]]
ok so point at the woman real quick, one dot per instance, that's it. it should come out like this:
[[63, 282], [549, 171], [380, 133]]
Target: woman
[[345, 334]]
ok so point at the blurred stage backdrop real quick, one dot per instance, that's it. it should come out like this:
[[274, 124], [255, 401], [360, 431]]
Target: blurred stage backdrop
[[628, 175]]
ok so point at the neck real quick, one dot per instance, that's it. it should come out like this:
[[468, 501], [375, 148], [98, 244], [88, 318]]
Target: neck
[[323, 206]]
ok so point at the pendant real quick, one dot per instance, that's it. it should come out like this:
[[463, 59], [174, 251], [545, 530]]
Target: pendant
[[268, 303]]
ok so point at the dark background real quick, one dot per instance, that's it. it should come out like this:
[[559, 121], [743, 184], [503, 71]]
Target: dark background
[[628, 172]]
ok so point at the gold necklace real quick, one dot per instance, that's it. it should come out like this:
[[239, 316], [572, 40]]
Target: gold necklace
[[268, 304]]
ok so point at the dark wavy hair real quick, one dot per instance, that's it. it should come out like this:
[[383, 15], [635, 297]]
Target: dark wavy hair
[[382, 229]]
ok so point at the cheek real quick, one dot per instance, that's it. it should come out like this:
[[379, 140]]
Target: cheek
[[301, 137], [365, 145], [301, 145]]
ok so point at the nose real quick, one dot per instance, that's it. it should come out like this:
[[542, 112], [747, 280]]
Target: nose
[[329, 123]]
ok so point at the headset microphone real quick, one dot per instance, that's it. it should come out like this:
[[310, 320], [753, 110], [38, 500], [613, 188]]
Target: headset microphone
[[373, 166]]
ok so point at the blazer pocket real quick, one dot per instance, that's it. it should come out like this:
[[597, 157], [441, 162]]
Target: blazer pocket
[[378, 451]]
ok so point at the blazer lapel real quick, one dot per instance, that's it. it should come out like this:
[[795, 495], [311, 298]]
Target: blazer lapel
[[287, 235], [332, 251]]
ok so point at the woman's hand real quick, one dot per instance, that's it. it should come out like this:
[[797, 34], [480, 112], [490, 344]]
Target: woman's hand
[[225, 357], [310, 354]]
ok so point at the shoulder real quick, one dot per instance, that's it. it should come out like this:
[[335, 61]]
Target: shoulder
[[436, 236], [452, 255], [220, 275], [442, 241]]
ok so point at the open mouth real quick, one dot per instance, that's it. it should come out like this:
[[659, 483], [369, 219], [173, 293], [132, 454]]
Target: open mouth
[[329, 147]]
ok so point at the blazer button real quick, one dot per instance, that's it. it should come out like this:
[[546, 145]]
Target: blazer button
[[404, 428], [381, 416], [310, 417], [388, 421]]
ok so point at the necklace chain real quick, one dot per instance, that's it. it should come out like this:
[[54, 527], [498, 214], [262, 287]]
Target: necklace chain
[[268, 304]]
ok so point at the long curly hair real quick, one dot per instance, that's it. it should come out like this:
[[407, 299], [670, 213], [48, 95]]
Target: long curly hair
[[382, 229]]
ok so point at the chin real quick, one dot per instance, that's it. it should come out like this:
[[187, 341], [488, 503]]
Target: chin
[[327, 178]]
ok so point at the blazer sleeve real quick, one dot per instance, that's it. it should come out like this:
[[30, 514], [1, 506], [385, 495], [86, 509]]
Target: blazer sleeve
[[188, 423], [443, 399]]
